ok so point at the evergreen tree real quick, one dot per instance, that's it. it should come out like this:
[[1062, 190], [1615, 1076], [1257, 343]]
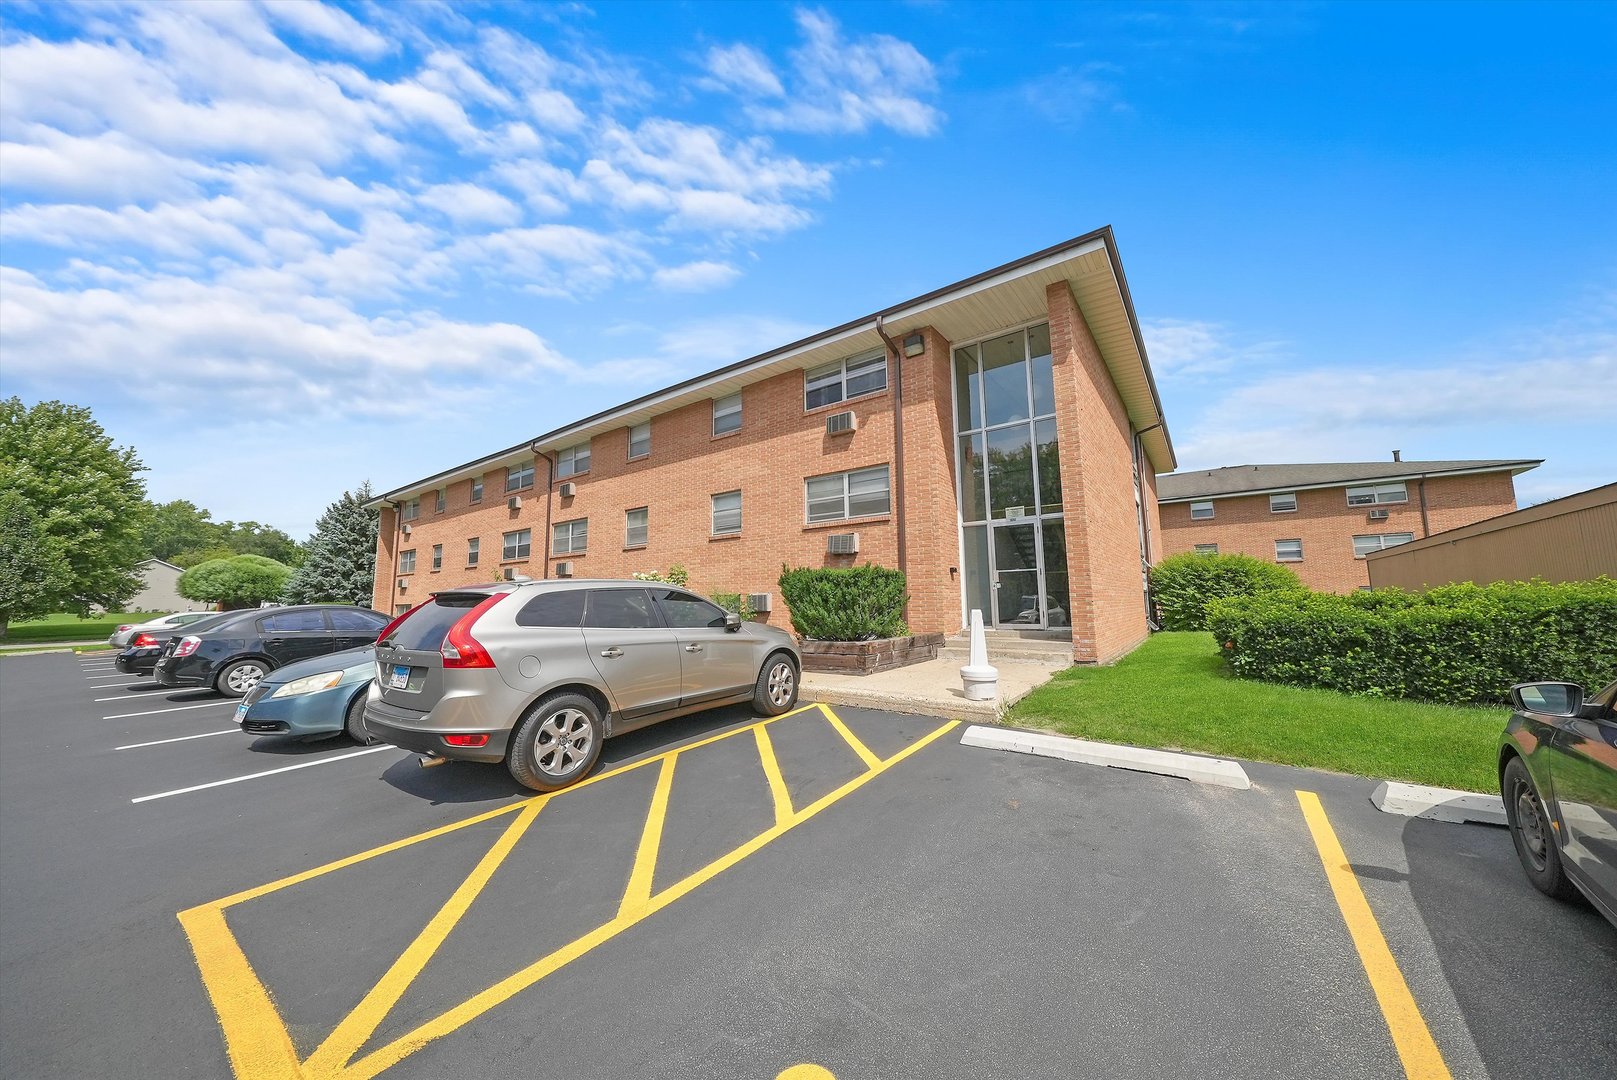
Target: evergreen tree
[[340, 565]]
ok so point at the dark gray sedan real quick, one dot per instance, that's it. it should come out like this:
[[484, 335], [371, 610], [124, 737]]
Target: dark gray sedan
[[1558, 776]]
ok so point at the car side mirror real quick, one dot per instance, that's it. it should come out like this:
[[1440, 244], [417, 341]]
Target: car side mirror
[[732, 621], [1548, 698]]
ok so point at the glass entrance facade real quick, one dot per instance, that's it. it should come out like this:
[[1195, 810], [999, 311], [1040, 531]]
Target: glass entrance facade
[[1009, 465]]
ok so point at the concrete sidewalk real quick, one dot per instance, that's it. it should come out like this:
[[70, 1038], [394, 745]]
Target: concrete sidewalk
[[930, 689], [48, 646]]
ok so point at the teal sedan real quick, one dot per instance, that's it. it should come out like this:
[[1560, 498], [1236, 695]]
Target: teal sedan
[[317, 698]]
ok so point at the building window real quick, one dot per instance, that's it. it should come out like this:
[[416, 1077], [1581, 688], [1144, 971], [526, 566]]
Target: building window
[[407, 561], [1364, 545], [573, 460], [517, 544], [437, 556], [1283, 504], [519, 477], [727, 513], [639, 440], [1201, 511], [1207, 549], [726, 414], [477, 489], [1378, 493], [440, 502], [637, 527], [860, 493], [845, 379], [411, 510], [1289, 550], [473, 550], [399, 609], [570, 537]]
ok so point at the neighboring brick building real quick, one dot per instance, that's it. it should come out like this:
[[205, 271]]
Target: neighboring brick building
[[1322, 520], [998, 440]]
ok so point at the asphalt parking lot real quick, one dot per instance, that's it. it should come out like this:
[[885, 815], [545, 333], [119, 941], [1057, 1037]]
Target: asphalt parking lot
[[841, 893]]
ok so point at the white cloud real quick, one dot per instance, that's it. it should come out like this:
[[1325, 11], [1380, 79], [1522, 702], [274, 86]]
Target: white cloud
[[700, 276], [743, 69], [330, 24], [1187, 347], [469, 204]]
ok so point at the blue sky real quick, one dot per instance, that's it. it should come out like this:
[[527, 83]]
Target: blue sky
[[281, 248]]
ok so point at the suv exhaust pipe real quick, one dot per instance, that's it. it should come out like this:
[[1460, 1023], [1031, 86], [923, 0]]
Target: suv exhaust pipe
[[431, 761]]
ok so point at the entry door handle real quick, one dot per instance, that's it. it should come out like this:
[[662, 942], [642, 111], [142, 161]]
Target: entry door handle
[[613, 653], [693, 648]]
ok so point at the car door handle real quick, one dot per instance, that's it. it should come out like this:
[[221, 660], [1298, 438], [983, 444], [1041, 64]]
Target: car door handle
[[693, 648], [613, 653], [275, 641]]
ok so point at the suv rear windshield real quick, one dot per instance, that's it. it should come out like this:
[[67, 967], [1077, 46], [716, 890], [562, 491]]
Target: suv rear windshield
[[426, 628]]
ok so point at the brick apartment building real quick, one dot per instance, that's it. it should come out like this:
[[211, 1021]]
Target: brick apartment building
[[1322, 520], [998, 440]]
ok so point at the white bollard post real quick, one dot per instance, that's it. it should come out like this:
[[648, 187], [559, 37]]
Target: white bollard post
[[980, 678]]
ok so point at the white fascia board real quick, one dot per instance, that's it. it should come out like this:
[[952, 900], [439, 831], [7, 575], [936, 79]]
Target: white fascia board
[[1372, 482]]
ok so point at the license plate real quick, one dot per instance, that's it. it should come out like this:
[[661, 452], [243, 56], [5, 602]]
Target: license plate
[[241, 712], [400, 678]]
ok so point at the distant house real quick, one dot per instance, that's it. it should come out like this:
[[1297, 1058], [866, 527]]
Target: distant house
[[161, 591], [1322, 520]]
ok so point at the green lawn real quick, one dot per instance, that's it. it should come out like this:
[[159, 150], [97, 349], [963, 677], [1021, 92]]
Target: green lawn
[[65, 626], [1174, 692]]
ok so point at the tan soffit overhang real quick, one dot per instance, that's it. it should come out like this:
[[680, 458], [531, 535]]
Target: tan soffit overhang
[[1007, 296]]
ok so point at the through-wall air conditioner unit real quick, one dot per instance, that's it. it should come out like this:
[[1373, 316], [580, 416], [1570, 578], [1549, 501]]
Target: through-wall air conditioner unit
[[759, 601], [564, 569], [404, 584], [405, 528], [514, 503], [842, 544], [1378, 515], [509, 573], [569, 489], [841, 423]]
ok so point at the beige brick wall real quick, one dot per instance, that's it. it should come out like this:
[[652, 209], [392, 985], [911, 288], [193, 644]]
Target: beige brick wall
[[1326, 524]]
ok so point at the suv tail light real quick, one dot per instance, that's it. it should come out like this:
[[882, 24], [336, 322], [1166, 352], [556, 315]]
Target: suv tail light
[[143, 641], [187, 646], [394, 625], [460, 649]]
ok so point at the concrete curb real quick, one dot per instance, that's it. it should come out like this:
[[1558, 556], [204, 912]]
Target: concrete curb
[[1200, 770], [954, 709], [1437, 804]]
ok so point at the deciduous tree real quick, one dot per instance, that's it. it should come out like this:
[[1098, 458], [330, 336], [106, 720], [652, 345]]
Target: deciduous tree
[[237, 582], [31, 567]]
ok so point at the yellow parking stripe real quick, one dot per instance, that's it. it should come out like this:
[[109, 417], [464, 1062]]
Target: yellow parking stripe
[[870, 760], [1410, 1035], [777, 783], [651, 835], [255, 1038], [359, 1024], [387, 1056]]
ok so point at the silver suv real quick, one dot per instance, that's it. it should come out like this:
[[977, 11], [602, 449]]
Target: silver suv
[[537, 674]]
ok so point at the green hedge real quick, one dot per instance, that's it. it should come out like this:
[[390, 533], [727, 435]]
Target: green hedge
[[1456, 644], [854, 604], [1182, 585]]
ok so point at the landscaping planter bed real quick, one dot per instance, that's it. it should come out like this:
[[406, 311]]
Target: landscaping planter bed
[[869, 657]]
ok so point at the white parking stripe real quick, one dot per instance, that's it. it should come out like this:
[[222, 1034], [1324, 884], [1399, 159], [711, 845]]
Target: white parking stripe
[[268, 772], [177, 708], [127, 680], [182, 738], [146, 697]]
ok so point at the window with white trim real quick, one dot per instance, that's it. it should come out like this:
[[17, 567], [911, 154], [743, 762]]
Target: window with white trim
[[1283, 503], [1289, 550], [518, 545], [1364, 545], [726, 513], [1201, 511], [477, 489], [640, 440], [845, 380], [441, 501], [636, 527], [410, 510], [1207, 549], [573, 460], [860, 493], [473, 550], [1377, 493], [570, 537], [727, 414], [407, 561], [519, 477], [437, 556]]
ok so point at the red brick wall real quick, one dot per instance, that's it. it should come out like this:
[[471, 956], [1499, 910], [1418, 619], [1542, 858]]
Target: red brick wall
[[1326, 524], [1097, 488]]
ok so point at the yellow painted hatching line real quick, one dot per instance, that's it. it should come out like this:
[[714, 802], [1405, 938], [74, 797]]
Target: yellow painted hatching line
[[256, 1038], [1410, 1035]]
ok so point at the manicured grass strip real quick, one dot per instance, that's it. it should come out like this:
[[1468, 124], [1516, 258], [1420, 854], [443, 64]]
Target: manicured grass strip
[[1174, 692], [66, 626]]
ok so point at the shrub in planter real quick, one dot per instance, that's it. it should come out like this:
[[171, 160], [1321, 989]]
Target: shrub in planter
[[1182, 585], [854, 604], [1457, 643]]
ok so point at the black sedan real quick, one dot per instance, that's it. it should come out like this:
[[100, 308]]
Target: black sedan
[[140, 656], [1558, 776], [233, 652]]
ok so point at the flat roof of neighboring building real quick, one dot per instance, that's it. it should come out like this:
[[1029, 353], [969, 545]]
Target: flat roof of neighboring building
[[1261, 479]]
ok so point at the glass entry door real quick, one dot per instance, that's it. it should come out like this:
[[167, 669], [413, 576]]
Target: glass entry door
[[1018, 597]]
